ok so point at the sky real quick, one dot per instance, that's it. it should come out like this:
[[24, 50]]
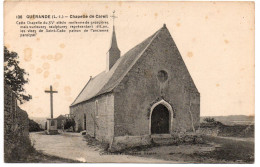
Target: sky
[[215, 39]]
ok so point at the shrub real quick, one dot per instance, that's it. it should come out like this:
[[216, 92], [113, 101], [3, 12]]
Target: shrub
[[17, 147], [209, 120], [34, 127], [69, 123]]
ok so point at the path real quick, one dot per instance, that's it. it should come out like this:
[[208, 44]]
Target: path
[[72, 146]]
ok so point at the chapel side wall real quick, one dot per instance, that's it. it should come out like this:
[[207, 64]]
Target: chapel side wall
[[105, 117], [78, 111], [140, 89], [100, 108], [195, 108]]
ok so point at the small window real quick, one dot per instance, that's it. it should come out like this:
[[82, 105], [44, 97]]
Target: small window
[[85, 122], [162, 76], [96, 104]]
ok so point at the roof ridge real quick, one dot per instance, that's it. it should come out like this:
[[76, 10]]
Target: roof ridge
[[133, 63], [105, 82], [82, 90]]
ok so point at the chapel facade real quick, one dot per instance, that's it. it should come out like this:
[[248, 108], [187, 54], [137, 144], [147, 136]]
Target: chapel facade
[[147, 91]]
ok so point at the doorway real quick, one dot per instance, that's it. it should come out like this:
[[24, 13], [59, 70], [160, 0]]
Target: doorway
[[160, 120]]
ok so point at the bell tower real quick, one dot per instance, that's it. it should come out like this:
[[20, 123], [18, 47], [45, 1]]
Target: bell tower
[[113, 53]]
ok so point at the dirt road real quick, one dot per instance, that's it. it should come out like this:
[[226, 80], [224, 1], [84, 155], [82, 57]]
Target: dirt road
[[72, 146]]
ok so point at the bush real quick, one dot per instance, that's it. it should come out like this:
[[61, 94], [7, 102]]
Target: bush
[[17, 147], [69, 123], [34, 127], [209, 120]]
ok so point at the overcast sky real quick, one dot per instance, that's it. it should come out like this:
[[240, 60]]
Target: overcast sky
[[216, 41]]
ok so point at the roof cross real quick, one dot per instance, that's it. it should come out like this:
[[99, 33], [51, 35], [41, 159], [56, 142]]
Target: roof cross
[[113, 16]]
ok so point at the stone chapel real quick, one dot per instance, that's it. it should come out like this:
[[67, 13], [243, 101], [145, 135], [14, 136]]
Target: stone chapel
[[148, 91]]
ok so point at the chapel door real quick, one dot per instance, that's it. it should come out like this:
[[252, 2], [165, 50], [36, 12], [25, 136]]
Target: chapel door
[[160, 120]]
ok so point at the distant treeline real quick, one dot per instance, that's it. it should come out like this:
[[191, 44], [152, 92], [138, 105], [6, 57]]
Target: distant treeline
[[232, 119]]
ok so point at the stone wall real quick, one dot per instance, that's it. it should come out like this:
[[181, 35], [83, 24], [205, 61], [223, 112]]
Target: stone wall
[[99, 114], [16, 128], [123, 142], [124, 114], [141, 88]]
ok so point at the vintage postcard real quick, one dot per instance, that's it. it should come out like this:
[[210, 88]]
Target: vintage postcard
[[129, 82]]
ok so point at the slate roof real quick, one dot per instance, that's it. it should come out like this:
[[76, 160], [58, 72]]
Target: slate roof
[[106, 81]]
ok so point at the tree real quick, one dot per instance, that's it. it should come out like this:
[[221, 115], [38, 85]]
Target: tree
[[14, 76]]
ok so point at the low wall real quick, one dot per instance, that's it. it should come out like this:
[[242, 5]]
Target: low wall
[[17, 144], [123, 142]]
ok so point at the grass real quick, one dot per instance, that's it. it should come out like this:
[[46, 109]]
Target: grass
[[237, 131], [230, 130], [38, 157], [92, 142], [19, 149], [230, 150], [212, 150], [215, 150]]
